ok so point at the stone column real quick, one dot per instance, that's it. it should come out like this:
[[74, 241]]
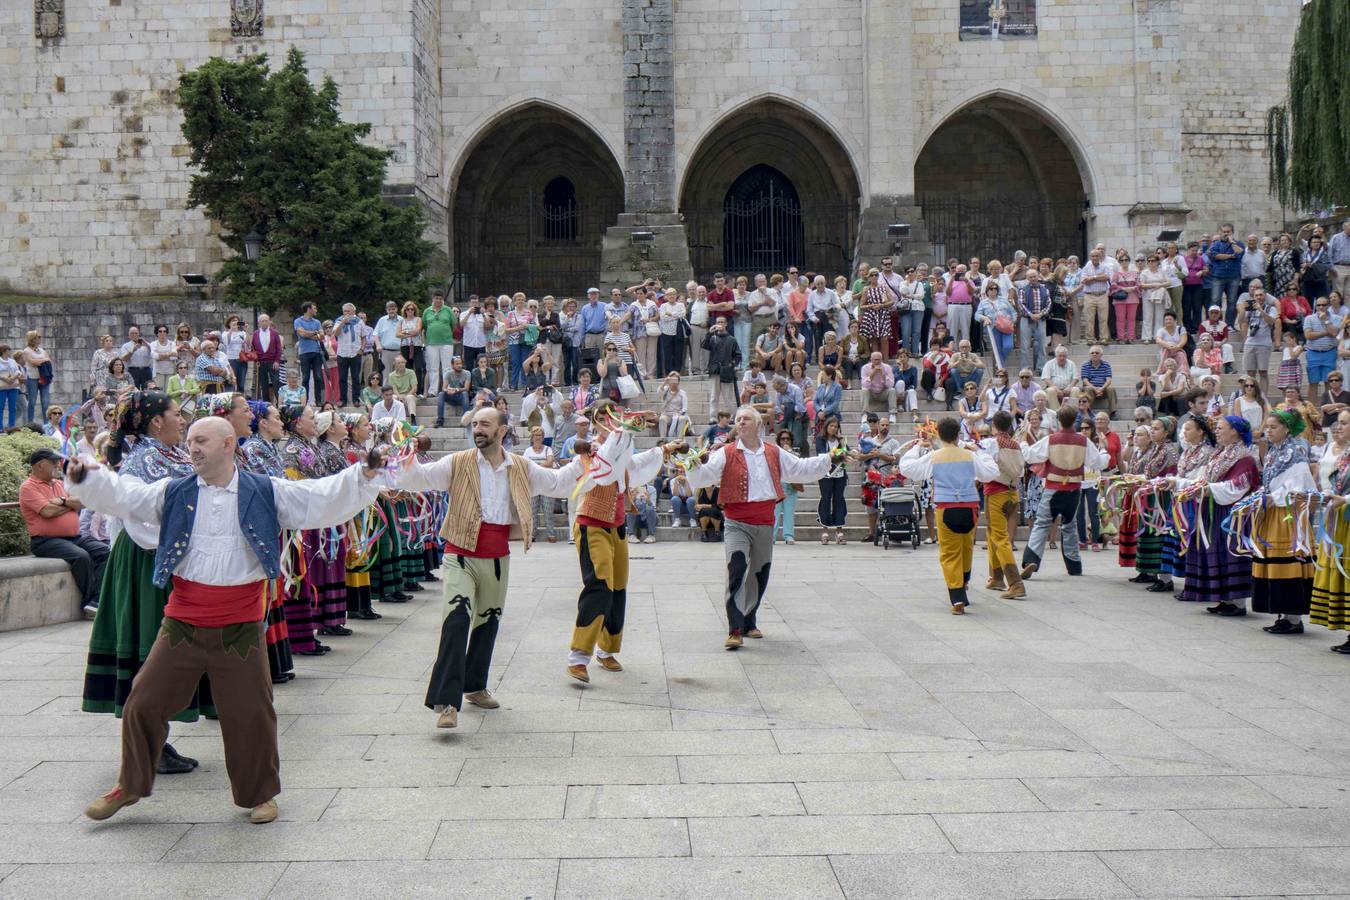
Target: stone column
[[891, 114], [649, 154]]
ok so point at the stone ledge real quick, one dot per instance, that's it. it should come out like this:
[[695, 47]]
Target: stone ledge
[[36, 592]]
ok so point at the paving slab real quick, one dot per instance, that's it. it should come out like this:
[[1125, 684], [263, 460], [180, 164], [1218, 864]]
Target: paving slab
[[1160, 792], [169, 881], [815, 835], [566, 839], [305, 841], [978, 876], [467, 879], [1062, 831], [1280, 872], [777, 878]]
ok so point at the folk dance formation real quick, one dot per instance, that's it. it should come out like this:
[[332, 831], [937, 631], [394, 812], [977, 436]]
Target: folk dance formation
[[307, 518]]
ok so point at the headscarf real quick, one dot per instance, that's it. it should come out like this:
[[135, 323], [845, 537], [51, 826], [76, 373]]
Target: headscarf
[[1282, 457], [1292, 420], [218, 404], [133, 415], [290, 414], [1242, 427], [261, 409]]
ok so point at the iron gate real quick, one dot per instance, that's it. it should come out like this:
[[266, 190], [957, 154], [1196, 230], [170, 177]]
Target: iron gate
[[770, 234], [531, 246], [995, 227]]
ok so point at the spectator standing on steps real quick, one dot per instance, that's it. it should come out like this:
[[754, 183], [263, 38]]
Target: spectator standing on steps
[[308, 334]]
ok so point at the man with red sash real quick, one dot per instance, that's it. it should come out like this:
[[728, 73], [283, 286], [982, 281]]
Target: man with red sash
[[751, 473], [213, 623], [490, 492], [601, 540], [1065, 454]]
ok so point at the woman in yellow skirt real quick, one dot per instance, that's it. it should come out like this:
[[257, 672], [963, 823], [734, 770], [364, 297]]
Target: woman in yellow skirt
[[1331, 587], [1282, 579]]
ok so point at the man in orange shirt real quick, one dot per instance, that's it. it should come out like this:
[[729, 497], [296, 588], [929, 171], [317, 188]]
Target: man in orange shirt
[[53, 521]]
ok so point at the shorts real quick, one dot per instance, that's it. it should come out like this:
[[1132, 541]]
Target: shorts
[[1321, 363], [1256, 359]]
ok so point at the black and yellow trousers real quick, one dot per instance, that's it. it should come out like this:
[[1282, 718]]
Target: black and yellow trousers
[[956, 549], [474, 594], [603, 553]]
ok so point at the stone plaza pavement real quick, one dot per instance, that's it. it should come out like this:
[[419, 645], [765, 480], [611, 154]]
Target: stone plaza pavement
[[1095, 741]]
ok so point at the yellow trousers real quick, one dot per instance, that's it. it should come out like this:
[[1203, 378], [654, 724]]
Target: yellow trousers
[[1000, 510], [956, 549]]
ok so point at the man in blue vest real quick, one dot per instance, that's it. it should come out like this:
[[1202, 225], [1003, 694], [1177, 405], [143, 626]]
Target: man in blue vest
[[218, 563]]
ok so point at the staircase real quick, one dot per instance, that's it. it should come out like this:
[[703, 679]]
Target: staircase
[[1126, 361]]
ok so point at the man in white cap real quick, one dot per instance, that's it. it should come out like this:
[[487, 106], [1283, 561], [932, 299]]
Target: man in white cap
[[1218, 331]]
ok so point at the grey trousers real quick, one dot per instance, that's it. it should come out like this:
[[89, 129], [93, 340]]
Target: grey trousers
[[749, 555], [1064, 505]]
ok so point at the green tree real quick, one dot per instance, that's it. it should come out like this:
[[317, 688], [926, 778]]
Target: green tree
[[273, 155], [1309, 134]]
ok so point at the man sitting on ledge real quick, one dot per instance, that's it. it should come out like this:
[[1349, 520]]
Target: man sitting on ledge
[[53, 520]]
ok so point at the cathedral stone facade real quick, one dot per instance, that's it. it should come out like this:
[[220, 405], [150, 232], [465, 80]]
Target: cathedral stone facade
[[556, 145]]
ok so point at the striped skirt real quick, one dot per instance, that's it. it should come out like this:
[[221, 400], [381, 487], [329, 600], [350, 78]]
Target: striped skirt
[[1282, 583], [1213, 574], [1148, 556], [1331, 589]]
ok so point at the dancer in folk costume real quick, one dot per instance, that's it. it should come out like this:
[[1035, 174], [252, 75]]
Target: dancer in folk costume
[[1331, 585], [601, 540], [1132, 463], [300, 457], [1282, 577], [217, 562], [750, 474], [490, 501], [145, 446], [1214, 573], [1066, 453], [333, 590], [432, 545], [955, 471], [260, 456], [1000, 504], [361, 561], [386, 568], [1197, 446], [1159, 461]]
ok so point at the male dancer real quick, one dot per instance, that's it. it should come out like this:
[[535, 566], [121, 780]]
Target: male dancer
[[600, 539], [750, 474], [1000, 503], [213, 622], [1065, 453], [954, 471], [489, 502]]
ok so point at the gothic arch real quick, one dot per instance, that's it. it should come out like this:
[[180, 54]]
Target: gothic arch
[[807, 152], [507, 234]]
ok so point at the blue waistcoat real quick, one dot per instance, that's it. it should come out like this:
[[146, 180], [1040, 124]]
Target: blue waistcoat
[[257, 520]]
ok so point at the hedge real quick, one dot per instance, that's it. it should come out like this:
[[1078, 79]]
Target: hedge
[[14, 450]]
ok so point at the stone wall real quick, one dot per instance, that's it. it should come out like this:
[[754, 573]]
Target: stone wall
[[71, 331], [93, 175]]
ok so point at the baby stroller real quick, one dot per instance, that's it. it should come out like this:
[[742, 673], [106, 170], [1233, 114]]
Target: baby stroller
[[899, 515]]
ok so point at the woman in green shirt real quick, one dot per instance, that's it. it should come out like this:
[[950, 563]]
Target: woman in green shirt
[[404, 382], [183, 388], [370, 394]]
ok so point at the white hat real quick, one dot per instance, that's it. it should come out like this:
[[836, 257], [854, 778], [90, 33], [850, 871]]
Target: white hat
[[592, 290], [323, 421], [1215, 309]]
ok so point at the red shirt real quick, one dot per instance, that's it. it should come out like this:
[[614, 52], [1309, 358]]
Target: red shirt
[[33, 495], [725, 295]]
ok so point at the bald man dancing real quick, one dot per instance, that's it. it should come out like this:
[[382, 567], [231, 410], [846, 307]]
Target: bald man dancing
[[751, 475], [213, 622]]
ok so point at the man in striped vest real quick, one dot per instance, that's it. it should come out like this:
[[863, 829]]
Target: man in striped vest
[[751, 475], [1000, 503], [954, 471], [1065, 454], [599, 534], [489, 503]]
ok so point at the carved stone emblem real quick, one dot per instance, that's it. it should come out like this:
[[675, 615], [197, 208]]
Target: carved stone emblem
[[49, 19], [246, 18]]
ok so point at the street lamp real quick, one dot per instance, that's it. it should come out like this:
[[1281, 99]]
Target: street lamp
[[253, 246]]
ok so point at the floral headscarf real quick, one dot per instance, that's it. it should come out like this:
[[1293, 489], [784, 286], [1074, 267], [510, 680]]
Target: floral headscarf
[[1282, 457]]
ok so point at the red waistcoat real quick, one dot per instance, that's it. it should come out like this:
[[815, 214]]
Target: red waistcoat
[[1064, 467]]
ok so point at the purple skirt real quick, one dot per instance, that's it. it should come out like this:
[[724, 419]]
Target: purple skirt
[[1213, 574]]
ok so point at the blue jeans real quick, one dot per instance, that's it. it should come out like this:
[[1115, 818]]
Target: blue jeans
[[741, 331], [682, 508], [517, 354], [1033, 343], [311, 371], [976, 375], [911, 332], [240, 369], [642, 520], [1231, 287], [9, 407], [1003, 347], [1321, 363], [571, 361], [785, 514], [832, 510], [459, 400], [35, 390]]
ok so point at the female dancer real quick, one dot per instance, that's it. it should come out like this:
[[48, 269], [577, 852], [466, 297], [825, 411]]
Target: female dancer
[[1159, 461], [1197, 446], [144, 446], [260, 456], [300, 457], [1331, 587], [1282, 579]]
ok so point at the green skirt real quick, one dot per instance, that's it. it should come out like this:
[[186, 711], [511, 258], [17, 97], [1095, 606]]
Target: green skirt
[[1149, 553], [130, 612]]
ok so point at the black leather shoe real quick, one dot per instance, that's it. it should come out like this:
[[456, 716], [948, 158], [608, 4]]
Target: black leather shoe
[[1144, 578], [315, 652], [171, 751], [1284, 626], [368, 615], [703, 536], [322, 648], [172, 765], [1229, 609], [336, 631], [283, 677], [412, 587], [1342, 648], [396, 597], [1158, 587]]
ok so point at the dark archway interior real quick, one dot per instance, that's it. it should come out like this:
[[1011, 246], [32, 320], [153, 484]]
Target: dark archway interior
[[531, 205], [762, 224], [996, 177], [807, 158]]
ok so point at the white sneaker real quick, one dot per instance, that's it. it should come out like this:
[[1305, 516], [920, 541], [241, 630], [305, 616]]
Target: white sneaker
[[649, 539]]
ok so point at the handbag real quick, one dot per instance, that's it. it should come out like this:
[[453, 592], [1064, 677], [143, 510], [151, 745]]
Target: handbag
[[1003, 323], [530, 335], [1119, 294], [628, 388], [653, 329], [248, 356], [44, 373]]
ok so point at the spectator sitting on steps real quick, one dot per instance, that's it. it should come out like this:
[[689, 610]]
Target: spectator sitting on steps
[[53, 521]]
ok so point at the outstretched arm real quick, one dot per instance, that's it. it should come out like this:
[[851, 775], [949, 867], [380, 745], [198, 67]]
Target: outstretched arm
[[104, 491], [416, 476], [323, 502]]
